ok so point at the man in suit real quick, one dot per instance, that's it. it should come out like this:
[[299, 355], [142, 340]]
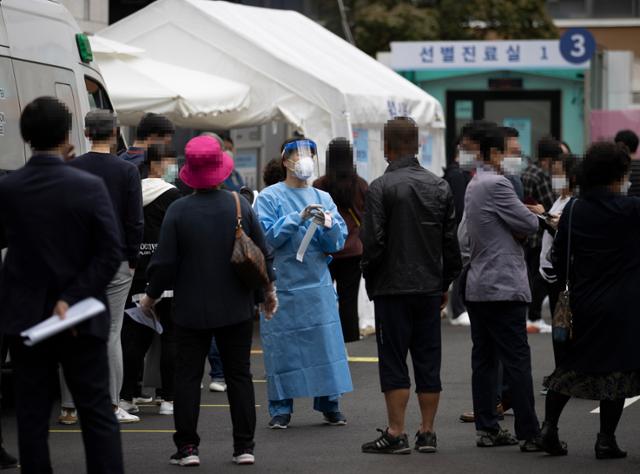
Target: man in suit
[[497, 295], [63, 247]]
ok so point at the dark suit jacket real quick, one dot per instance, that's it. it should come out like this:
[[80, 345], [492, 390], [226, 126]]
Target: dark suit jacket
[[63, 243]]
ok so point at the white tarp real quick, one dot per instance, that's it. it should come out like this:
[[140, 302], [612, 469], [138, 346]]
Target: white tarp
[[297, 70], [138, 85]]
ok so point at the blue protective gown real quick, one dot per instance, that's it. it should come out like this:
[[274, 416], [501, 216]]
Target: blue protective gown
[[303, 346]]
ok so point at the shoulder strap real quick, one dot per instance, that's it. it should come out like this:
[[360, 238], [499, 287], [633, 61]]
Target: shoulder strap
[[573, 203], [238, 210]]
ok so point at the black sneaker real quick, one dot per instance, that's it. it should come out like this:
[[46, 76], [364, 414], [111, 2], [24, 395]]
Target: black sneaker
[[280, 422], [532, 445], [186, 456], [387, 444], [7, 461], [607, 448], [244, 457], [491, 439], [335, 419], [426, 442]]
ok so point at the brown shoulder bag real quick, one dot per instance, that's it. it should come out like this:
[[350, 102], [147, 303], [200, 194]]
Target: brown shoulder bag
[[247, 258], [562, 321]]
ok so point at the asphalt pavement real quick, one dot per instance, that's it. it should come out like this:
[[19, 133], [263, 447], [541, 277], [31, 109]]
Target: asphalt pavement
[[310, 447]]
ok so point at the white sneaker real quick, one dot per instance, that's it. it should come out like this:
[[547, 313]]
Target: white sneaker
[[143, 399], [166, 408], [462, 320], [244, 459], [217, 386], [130, 407], [125, 417], [541, 325]]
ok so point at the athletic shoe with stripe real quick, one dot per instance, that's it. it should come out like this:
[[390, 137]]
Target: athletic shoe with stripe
[[387, 444], [280, 422], [335, 419], [186, 456], [426, 442], [244, 457]]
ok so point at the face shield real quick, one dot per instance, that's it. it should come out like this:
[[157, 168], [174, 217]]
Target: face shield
[[301, 158]]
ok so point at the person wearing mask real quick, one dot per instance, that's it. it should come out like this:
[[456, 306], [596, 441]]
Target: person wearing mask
[[497, 294], [157, 195], [123, 183], [304, 354], [153, 129], [273, 172], [193, 258], [410, 258], [629, 138], [539, 197], [347, 190], [63, 246], [234, 182], [601, 361]]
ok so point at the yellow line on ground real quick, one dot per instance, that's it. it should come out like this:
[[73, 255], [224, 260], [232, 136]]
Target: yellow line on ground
[[256, 351], [363, 359]]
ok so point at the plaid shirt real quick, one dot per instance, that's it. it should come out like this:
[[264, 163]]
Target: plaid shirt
[[537, 185]]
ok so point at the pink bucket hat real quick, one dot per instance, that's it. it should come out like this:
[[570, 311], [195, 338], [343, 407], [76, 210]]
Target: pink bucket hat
[[206, 164]]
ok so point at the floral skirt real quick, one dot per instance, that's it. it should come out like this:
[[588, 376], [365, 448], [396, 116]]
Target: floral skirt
[[611, 386]]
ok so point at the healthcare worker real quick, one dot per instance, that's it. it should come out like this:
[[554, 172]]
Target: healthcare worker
[[303, 345]]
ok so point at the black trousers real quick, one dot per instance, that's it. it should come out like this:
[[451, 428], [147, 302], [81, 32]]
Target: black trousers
[[499, 333], [409, 323], [346, 273], [86, 371], [136, 340], [536, 282], [234, 344]]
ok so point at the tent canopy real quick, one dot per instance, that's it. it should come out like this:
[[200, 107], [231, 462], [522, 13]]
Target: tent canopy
[[138, 85], [297, 70]]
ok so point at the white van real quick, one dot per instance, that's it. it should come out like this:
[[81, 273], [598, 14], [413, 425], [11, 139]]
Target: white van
[[43, 52]]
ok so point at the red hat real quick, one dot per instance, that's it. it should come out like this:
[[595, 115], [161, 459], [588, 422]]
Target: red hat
[[206, 165]]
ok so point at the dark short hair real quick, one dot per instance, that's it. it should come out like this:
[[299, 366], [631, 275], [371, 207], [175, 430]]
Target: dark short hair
[[100, 124], [45, 123], [629, 138], [605, 163], [475, 130], [492, 138], [549, 148], [401, 135], [157, 152], [273, 172], [154, 124], [510, 132]]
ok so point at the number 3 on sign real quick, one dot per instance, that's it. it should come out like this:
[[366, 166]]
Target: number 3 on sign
[[579, 48]]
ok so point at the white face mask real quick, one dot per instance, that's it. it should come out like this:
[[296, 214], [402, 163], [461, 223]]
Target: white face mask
[[466, 160], [625, 187], [558, 183], [303, 168], [511, 165]]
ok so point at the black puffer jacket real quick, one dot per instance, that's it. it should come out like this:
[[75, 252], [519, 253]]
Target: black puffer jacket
[[409, 233]]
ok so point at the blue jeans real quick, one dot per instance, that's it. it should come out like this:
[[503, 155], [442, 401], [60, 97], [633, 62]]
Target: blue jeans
[[321, 404], [216, 373]]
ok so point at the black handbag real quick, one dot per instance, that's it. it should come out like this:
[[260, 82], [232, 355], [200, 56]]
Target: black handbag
[[562, 322]]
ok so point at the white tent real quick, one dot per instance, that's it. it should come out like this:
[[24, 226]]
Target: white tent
[[138, 85], [297, 70]]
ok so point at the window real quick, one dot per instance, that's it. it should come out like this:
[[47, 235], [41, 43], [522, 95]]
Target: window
[[98, 98]]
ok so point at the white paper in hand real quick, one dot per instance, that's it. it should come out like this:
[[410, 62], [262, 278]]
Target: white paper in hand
[[140, 316], [76, 314], [306, 240]]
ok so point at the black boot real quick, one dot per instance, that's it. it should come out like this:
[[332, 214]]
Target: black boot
[[549, 441], [607, 447], [6, 460]]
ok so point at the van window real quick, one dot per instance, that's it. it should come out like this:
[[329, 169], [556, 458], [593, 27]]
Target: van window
[[99, 99]]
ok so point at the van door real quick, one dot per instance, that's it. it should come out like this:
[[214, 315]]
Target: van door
[[12, 152], [37, 80]]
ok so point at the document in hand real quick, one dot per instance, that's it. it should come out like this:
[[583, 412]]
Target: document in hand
[[141, 316], [306, 240], [76, 314]]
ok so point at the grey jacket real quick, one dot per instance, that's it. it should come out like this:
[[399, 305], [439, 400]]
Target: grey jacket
[[494, 215]]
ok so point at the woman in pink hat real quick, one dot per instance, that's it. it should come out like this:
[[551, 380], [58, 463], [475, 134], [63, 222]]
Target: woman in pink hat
[[193, 259]]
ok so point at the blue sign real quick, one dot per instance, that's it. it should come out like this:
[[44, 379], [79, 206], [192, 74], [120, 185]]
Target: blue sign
[[577, 45]]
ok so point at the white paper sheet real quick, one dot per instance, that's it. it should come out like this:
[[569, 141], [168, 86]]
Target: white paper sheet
[[76, 314], [306, 240], [141, 317]]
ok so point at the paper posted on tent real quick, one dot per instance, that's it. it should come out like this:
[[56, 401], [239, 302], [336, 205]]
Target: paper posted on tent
[[76, 314], [147, 318]]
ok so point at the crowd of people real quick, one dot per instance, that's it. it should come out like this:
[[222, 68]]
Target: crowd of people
[[148, 237]]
